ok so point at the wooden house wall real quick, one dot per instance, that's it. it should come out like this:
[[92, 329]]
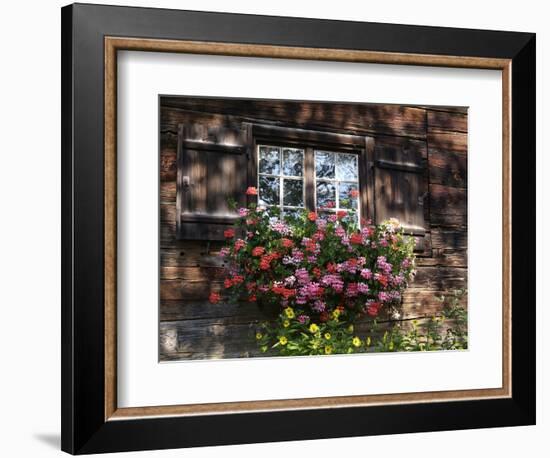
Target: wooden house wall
[[191, 327]]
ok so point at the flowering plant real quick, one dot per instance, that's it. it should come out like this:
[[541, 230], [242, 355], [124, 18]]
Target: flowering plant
[[322, 273]]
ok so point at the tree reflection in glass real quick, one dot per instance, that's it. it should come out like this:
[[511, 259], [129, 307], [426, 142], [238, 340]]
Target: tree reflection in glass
[[269, 191]]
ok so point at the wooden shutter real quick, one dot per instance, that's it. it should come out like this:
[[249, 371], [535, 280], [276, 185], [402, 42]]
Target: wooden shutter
[[401, 186], [212, 167]]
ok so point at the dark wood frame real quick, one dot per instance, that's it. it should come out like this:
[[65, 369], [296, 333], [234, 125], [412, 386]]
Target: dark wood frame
[[91, 421]]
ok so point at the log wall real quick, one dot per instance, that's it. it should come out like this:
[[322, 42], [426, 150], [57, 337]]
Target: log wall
[[191, 327]]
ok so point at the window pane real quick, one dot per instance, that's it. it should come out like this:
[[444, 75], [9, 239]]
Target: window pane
[[293, 162], [293, 193], [348, 194], [352, 217], [291, 213], [324, 164], [346, 167], [270, 161], [326, 213], [269, 191], [326, 194]]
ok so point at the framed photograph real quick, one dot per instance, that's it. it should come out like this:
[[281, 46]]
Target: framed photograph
[[283, 228]]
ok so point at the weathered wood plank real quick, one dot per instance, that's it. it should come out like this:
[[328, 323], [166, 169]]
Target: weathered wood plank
[[186, 310], [449, 239], [450, 248], [399, 149], [209, 338], [448, 141], [192, 273], [168, 214], [423, 302], [168, 192], [190, 290], [172, 117], [448, 168], [167, 233], [448, 205], [449, 121], [447, 258], [444, 108], [351, 118], [439, 278], [192, 254], [168, 161]]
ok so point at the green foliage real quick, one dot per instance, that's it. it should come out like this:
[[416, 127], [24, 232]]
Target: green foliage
[[289, 336], [292, 335]]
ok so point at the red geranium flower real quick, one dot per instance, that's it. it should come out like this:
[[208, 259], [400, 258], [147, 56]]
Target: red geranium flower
[[214, 297], [265, 262], [356, 238], [229, 233], [240, 243], [251, 191], [312, 216], [354, 193], [341, 214], [374, 308], [287, 243], [258, 251]]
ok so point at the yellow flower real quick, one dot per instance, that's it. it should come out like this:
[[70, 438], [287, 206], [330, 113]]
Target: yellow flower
[[356, 342], [259, 335], [327, 335], [283, 340], [289, 312], [335, 314], [368, 341], [286, 323], [313, 328], [328, 350], [350, 328]]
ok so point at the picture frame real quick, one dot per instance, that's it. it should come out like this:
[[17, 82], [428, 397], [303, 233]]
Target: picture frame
[[92, 35]]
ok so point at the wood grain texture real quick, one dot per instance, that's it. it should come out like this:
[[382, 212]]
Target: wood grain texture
[[350, 118]]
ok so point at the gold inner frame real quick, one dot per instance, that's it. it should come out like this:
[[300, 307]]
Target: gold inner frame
[[114, 44]]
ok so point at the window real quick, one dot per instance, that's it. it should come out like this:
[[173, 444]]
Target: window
[[337, 182], [282, 172], [281, 178], [296, 169]]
